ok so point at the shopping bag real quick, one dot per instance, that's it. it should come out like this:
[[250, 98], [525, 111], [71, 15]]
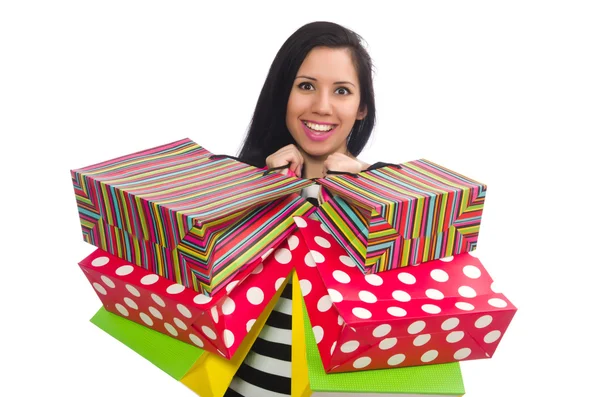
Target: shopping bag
[[218, 324], [438, 312], [309, 377], [186, 214], [401, 215]]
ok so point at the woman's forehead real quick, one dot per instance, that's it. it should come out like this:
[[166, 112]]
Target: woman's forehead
[[329, 65]]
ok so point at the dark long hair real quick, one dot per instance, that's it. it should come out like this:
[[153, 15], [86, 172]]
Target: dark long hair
[[268, 131]]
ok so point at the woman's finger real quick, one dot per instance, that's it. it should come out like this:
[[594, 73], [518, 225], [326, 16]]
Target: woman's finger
[[288, 155]]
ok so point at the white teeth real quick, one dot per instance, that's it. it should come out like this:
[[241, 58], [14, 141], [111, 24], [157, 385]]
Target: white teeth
[[318, 127]]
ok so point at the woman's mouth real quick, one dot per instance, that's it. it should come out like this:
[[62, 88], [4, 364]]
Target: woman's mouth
[[316, 131]]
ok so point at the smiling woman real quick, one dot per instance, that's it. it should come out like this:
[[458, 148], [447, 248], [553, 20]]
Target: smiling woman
[[316, 110], [315, 113]]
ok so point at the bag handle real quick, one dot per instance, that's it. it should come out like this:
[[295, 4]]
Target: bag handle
[[269, 170], [222, 156], [341, 173]]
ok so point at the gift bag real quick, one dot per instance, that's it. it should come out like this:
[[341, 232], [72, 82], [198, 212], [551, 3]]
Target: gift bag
[[309, 377], [218, 324], [208, 375], [438, 312], [401, 215], [183, 213]]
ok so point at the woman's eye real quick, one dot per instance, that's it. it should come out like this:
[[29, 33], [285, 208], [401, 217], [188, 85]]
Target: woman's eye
[[342, 91], [305, 86]]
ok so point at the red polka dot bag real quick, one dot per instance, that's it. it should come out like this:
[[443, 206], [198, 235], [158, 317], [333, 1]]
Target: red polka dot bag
[[218, 324], [437, 312]]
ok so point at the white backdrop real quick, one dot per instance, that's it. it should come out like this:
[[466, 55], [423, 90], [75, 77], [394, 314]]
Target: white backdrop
[[507, 93]]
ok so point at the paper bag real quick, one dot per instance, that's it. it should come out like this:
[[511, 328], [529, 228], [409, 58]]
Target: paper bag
[[218, 324], [185, 214], [437, 312], [402, 215], [310, 379]]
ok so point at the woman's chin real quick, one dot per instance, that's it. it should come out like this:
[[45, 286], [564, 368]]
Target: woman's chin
[[317, 149], [318, 153]]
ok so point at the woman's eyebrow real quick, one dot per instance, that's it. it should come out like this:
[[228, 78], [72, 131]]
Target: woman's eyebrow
[[306, 77], [344, 82], [313, 79]]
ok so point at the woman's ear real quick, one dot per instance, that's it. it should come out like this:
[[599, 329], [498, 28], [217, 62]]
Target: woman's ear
[[362, 113]]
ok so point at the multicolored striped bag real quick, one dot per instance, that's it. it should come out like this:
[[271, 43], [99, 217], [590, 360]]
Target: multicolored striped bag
[[401, 215], [185, 214]]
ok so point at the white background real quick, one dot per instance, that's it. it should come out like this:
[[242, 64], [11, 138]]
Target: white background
[[507, 93]]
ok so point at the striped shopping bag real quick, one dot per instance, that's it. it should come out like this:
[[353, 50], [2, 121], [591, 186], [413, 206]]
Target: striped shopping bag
[[400, 215], [186, 214]]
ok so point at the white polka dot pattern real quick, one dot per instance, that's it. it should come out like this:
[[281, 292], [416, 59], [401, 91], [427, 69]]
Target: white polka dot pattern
[[155, 312], [228, 307], [361, 362], [322, 242], [124, 270], [324, 303], [306, 287], [149, 279], [98, 287], [132, 290], [180, 323], [349, 346], [283, 256], [388, 343], [346, 260], [367, 297], [146, 319], [121, 309], [250, 324], [382, 330], [293, 242], [318, 331], [171, 329], [231, 286], [374, 279], [109, 283], [99, 261], [131, 303]]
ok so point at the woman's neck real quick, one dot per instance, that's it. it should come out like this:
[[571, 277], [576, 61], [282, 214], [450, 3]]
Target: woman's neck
[[314, 167]]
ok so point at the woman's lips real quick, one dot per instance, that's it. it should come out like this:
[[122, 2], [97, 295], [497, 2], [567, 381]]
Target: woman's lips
[[318, 122], [315, 135]]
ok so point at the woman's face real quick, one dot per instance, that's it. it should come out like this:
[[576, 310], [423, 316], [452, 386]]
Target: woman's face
[[324, 102]]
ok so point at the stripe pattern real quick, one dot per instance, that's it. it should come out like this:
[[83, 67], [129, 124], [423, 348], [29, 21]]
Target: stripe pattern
[[267, 369], [393, 217], [183, 214]]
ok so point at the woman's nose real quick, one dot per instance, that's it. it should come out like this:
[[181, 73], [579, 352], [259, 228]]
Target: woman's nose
[[322, 103]]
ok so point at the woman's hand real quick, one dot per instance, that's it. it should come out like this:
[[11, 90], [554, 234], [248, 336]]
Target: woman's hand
[[342, 163], [287, 155]]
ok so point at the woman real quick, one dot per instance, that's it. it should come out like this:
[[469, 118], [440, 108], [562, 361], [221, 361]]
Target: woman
[[315, 113], [301, 86]]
